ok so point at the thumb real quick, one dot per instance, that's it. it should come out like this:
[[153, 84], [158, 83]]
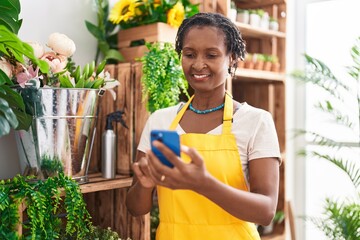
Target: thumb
[[194, 155]]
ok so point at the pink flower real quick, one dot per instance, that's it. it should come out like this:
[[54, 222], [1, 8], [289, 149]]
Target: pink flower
[[57, 63], [61, 44], [23, 77]]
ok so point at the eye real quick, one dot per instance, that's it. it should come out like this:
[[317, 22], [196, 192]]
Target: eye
[[211, 55], [189, 55]]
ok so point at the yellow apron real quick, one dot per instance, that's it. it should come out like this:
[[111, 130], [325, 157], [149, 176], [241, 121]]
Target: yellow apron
[[186, 215]]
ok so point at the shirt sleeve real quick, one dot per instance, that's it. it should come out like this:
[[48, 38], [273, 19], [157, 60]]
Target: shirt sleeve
[[264, 141]]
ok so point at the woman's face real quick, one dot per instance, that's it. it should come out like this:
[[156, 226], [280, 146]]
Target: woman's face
[[204, 59]]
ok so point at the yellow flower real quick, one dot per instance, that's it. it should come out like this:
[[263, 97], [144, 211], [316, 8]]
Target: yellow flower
[[123, 10], [157, 3], [176, 15]]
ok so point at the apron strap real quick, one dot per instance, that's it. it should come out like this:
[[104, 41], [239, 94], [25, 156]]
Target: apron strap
[[228, 114], [176, 121]]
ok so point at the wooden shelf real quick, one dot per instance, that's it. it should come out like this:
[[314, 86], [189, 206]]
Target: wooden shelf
[[249, 31], [244, 74], [97, 183]]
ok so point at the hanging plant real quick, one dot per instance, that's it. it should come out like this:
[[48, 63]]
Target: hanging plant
[[43, 205], [163, 79]]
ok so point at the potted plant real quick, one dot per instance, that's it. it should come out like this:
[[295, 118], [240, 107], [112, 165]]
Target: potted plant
[[243, 16], [232, 11], [35, 86], [264, 22], [267, 62], [258, 60], [275, 64], [341, 215], [273, 24], [163, 79], [254, 18], [249, 61]]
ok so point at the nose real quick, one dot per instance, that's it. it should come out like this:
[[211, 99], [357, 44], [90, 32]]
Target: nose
[[198, 65]]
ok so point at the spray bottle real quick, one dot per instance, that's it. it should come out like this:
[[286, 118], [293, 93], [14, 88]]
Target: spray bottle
[[109, 144]]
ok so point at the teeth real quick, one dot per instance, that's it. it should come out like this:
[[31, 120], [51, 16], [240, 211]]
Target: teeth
[[200, 76]]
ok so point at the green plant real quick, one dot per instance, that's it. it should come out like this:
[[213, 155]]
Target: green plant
[[163, 79], [105, 33], [43, 205], [272, 19], [154, 221], [341, 218], [279, 217]]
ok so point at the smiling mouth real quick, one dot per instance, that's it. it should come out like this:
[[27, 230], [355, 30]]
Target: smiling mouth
[[199, 76]]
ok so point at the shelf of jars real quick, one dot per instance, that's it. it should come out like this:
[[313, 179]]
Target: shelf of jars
[[251, 31]]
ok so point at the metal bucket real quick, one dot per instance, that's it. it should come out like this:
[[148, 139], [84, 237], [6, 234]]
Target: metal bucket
[[62, 132]]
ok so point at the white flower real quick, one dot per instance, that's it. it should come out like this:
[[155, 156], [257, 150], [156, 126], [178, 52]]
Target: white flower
[[6, 67], [39, 49], [61, 44]]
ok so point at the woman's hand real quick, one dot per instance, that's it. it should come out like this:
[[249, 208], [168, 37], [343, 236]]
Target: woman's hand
[[183, 175], [141, 169]]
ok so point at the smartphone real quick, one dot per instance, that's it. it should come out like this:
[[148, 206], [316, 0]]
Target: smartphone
[[170, 138]]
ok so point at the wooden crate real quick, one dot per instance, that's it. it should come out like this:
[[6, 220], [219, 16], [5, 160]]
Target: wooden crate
[[159, 31], [156, 32]]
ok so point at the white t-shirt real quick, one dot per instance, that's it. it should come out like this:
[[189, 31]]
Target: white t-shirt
[[253, 128]]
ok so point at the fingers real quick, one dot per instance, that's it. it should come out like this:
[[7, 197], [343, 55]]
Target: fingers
[[193, 154], [167, 152]]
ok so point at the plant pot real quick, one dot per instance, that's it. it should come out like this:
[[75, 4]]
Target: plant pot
[[254, 20], [61, 135], [259, 65], [275, 67], [232, 14], [243, 17], [273, 25], [155, 32], [267, 66]]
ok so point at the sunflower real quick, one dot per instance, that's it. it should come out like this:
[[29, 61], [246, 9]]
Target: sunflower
[[176, 15], [123, 11]]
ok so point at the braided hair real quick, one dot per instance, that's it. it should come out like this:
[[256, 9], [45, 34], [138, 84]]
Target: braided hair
[[233, 40]]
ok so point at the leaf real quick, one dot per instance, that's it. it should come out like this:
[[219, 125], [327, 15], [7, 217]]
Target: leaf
[[94, 30], [4, 126], [80, 83], [114, 54], [100, 67], [4, 79], [65, 82], [8, 113], [98, 83]]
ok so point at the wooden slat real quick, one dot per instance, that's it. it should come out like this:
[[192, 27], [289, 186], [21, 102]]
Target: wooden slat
[[100, 184], [250, 31], [243, 74], [125, 102]]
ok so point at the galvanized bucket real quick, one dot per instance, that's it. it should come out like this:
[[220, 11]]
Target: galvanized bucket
[[62, 132]]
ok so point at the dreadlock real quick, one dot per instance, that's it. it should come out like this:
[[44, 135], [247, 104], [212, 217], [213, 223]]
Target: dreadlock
[[233, 40]]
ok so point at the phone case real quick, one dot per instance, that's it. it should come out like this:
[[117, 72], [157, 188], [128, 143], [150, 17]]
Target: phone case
[[170, 138]]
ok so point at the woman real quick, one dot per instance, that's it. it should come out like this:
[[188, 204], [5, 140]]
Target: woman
[[228, 175]]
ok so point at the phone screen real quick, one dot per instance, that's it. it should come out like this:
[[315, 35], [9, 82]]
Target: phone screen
[[170, 138]]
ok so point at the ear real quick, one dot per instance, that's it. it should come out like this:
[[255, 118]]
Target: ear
[[232, 61]]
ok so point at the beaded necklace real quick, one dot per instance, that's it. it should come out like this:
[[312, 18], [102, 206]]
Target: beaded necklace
[[206, 110]]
